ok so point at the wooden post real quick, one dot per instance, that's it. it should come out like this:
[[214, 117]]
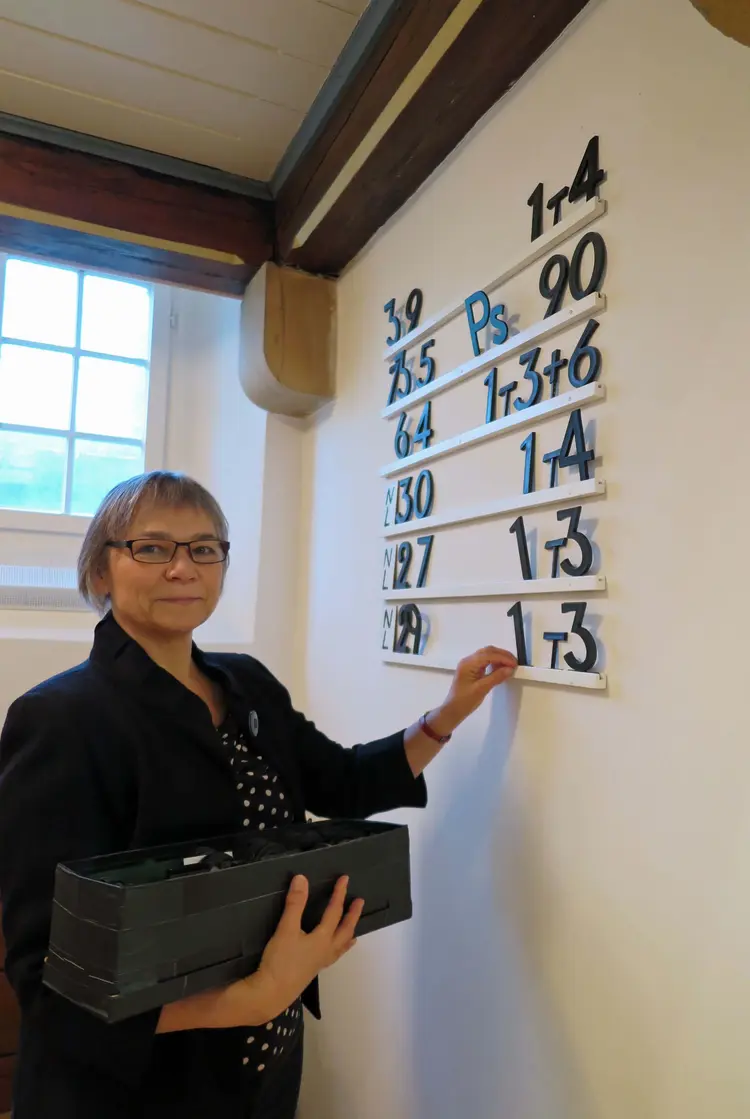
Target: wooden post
[[732, 17], [288, 341]]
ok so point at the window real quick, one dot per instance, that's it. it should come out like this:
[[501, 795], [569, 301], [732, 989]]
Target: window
[[75, 356]]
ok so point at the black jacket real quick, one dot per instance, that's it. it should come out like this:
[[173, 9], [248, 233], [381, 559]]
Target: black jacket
[[116, 754]]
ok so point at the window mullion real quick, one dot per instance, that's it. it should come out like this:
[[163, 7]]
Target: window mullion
[[71, 432]]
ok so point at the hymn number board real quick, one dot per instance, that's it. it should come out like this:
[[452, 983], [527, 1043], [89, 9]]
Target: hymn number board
[[515, 392]]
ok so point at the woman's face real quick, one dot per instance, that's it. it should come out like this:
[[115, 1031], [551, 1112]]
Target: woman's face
[[165, 598]]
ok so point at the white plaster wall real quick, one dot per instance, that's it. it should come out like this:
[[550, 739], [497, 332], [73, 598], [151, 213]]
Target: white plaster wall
[[579, 946], [215, 434]]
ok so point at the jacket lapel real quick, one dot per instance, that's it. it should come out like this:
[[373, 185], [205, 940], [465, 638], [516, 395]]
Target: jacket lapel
[[149, 685], [124, 660]]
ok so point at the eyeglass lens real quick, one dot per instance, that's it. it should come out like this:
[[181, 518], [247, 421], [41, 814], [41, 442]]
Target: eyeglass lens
[[163, 551]]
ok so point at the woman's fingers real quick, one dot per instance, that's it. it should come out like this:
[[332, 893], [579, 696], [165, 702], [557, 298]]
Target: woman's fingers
[[296, 900], [487, 667], [492, 655], [335, 909], [497, 676], [334, 926], [346, 930]]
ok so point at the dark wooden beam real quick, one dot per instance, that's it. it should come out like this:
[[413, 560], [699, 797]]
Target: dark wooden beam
[[495, 48], [402, 42], [81, 209], [104, 254]]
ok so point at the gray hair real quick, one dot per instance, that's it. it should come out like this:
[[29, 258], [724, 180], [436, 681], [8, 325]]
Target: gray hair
[[120, 507]]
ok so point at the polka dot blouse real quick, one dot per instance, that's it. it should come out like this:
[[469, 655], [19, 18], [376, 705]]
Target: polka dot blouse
[[265, 805]]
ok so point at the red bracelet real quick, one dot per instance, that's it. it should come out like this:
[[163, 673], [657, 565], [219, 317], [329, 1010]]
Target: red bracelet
[[425, 727]]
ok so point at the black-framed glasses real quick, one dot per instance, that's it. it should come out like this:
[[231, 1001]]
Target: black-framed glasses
[[148, 550]]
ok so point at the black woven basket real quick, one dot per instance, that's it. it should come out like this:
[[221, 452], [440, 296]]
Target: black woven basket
[[134, 931]]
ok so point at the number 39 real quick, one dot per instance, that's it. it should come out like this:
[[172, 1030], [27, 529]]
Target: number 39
[[412, 311]]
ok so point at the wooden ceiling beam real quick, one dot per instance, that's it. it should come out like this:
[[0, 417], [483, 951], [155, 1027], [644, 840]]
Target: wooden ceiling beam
[[85, 210], [500, 42], [401, 43]]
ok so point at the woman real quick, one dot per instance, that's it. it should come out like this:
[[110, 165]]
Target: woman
[[152, 741]]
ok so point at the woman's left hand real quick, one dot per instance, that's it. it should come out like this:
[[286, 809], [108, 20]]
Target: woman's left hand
[[474, 679]]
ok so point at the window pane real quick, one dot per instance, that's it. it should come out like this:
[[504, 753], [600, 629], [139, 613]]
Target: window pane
[[32, 471], [97, 467], [112, 398], [116, 318], [40, 303], [36, 387]]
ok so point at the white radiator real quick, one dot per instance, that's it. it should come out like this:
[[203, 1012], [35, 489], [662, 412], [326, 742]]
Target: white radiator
[[39, 588]]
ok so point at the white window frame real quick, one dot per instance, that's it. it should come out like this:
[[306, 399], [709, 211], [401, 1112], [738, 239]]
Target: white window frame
[[69, 524]]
